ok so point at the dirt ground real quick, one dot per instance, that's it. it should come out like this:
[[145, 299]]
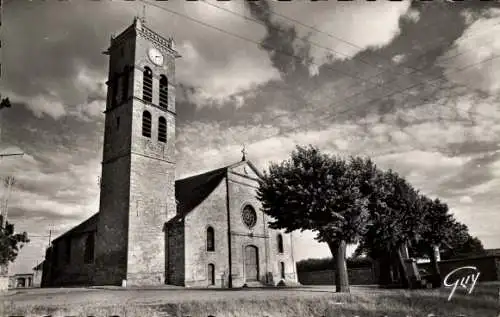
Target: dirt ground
[[276, 302], [105, 296]]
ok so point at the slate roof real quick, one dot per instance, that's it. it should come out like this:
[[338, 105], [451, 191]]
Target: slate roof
[[87, 226], [191, 191]]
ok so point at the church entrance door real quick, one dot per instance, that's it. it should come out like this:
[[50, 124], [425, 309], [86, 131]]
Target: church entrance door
[[251, 263]]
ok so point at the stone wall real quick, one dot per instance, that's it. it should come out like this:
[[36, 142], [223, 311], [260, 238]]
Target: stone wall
[[74, 272], [112, 230], [489, 266], [175, 270], [357, 276], [64, 264], [211, 212]]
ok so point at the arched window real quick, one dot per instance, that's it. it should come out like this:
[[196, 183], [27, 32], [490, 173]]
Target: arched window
[[210, 239], [146, 124], [163, 91], [280, 243], [211, 274], [162, 130], [147, 85], [89, 248], [282, 269]]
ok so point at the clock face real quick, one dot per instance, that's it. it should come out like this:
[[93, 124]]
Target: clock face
[[155, 56]]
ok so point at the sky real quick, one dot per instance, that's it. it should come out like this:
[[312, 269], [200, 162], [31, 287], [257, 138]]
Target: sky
[[414, 85]]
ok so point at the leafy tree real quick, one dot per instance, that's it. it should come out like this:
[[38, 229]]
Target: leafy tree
[[4, 103], [325, 194], [10, 243], [395, 220], [461, 244], [438, 231]]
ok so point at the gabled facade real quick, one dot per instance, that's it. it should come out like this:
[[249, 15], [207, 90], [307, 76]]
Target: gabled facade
[[223, 233]]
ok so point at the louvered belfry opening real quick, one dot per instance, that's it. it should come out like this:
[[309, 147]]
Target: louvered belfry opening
[[147, 85], [162, 130], [163, 91], [146, 124]]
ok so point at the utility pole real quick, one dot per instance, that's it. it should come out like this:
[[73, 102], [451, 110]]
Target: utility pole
[[8, 183]]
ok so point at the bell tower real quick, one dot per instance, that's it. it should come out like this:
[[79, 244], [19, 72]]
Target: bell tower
[[138, 167]]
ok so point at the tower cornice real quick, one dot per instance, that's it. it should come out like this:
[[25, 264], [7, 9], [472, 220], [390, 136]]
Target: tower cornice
[[139, 28], [164, 43]]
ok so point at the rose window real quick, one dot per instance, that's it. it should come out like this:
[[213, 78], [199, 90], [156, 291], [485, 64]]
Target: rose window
[[249, 216]]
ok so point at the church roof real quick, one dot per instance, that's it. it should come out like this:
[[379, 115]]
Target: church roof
[[192, 191], [87, 226]]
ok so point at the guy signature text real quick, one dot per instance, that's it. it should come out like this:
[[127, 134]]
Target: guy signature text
[[465, 277]]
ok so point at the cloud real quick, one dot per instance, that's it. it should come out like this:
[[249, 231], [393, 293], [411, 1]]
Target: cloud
[[241, 72], [412, 15], [398, 58], [483, 58], [466, 200], [349, 25], [41, 105]]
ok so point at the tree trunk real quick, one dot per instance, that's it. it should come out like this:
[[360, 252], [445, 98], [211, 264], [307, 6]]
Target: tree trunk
[[436, 274], [394, 270], [338, 250], [384, 270], [402, 269]]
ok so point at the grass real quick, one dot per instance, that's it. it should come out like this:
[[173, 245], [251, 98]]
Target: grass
[[483, 302]]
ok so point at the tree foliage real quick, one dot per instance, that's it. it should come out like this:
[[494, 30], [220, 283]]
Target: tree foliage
[[395, 221], [395, 216], [10, 243], [461, 244], [349, 201], [325, 194], [4, 102]]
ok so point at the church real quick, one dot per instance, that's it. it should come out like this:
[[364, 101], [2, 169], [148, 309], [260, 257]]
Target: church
[[206, 230]]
